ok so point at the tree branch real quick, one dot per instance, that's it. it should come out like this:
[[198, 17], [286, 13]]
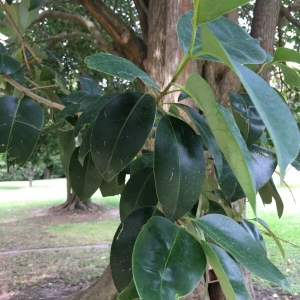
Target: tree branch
[[125, 38], [286, 12], [32, 95], [98, 40]]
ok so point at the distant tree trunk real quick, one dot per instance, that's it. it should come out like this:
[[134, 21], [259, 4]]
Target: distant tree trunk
[[47, 173]]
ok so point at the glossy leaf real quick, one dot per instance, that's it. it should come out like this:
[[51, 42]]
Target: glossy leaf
[[254, 232], [285, 54], [228, 272], [2, 49], [139, 192], [274, 112], [239, 45], [86, 179], [85, 146], [237, 242], [246, 117], [21, 121], [66, 148], [179, 166], [271, 234], [291, 77], [208, 10], [91, 110], [35, 4], [119, 67], [129, 293], [9, 2], [264, 164], [8, 65], [120, 131], [269, 191], [89, 85], [296, 162], [46, 74], [226, 133], [18, 76], [207, 136], [143, 161], [123, 243], [160, 266], [111, 188]]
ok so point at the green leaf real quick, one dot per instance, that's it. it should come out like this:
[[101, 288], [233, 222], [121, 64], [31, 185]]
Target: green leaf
[[296, 162], [8, 65], [237, 242], [207, 136], [208, 10], [18, 76], [123, 243], [2, 49], [227, 134], [9, 2], [111, 188], [246, 117], [291, 77], [228, 272], [66, 148], [21, 121], [120, 131], [129, 293], [139, 192], [269, 191], [46, 74], [239, 45], [119, 67], [271, 234], [27, 15], [91, 110], [89, 85], [273, 111], [35, 4], [86, 179], [160, 266], [143, 161], [179, 166], [254, 232], [285, 54]]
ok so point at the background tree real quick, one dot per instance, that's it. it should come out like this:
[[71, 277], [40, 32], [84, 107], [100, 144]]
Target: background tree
[[152, 46]]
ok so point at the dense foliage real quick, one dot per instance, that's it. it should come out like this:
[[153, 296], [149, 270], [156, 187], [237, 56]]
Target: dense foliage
[[176, 217]]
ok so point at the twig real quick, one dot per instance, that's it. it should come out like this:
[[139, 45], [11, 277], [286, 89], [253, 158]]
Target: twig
[[32, 95]]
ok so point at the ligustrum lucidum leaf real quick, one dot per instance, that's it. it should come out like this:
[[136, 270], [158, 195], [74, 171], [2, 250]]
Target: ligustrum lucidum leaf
[[239, 45], [119, 67], [89, 85], [206, 134], [8, 65], [112, 188], [138, 192], [129, 293], [141, 162], [246, 117], [237, 242], [228, 272], [226, 133], [123, 243], [168, 262], [179, 166], [273, 111], [208, 10], [285, 54], [120, 131], [86, 179], [291, 77], [66, 148], [21, 121]]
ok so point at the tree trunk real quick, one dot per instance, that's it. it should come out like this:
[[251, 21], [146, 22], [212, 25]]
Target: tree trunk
[[47, 173], [73, 203]]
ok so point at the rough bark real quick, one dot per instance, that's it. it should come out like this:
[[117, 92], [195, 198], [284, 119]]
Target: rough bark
[[47, 173], [131, 45], [265, 20]]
